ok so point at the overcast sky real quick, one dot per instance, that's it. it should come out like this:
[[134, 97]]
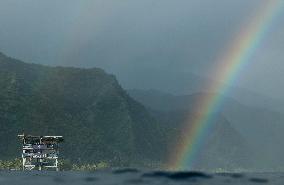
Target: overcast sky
[[145, 43]]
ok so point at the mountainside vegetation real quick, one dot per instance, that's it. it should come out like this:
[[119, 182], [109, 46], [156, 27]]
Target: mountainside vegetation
[[97, 118], [100, 122]]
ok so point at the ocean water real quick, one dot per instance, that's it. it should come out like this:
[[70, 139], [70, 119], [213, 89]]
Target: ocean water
[[133, 176]]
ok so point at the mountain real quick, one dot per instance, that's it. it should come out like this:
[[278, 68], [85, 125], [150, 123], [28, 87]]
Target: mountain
[[261, 128], [97, 118], [223, 146], [167, 80], [256, 100], [243, 96], [158, 100]]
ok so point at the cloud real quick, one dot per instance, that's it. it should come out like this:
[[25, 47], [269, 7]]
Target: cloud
[[135, 37]]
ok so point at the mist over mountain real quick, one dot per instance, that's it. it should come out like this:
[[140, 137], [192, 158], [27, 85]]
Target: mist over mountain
[[260, 127], [144, 89], [99, 120], [224, 147]]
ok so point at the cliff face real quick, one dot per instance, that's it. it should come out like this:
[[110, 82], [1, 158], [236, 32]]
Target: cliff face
[[99, 121]]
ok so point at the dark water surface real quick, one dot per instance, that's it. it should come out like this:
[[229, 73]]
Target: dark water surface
[[133, 176]]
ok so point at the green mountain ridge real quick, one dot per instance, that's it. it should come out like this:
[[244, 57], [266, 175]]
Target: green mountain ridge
[[99, 121]]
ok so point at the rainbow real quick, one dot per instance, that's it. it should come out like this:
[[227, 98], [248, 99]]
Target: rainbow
[[230, 66]]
